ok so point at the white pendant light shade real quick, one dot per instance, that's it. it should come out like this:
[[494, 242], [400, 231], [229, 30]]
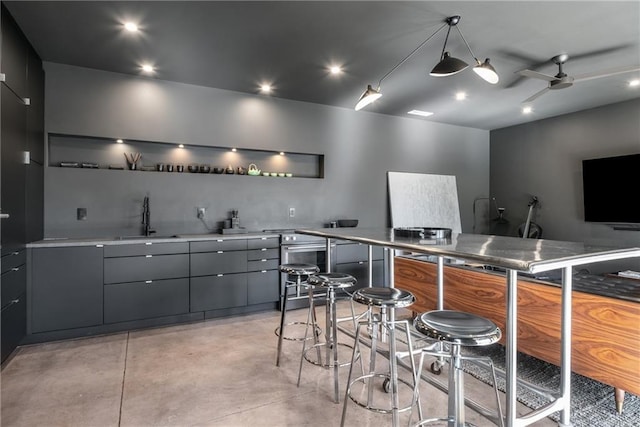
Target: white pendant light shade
[[448, 66], [486, 71], [368, 97]]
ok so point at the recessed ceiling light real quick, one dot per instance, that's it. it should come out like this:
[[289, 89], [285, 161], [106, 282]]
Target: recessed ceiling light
[[527, 110], [119, 141], [335, 69], [460, 96], [420, 113], [131, 27], [634, 83], [265, 88], [147, 68]]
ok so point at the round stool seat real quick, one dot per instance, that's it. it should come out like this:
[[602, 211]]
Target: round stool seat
[[457, 327], [332, 280], [384, 297], [299, 269]]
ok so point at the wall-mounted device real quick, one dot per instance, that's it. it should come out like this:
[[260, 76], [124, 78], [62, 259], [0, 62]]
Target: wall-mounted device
[[610, 188]]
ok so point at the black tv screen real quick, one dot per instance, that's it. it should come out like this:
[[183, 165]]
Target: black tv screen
[[611, 188]]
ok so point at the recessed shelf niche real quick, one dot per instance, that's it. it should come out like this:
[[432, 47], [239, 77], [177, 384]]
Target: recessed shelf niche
[[106, 153]]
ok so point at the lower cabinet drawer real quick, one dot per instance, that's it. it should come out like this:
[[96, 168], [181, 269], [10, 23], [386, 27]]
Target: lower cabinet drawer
[[14, 325], [143, 300], [263, 264], [216, 292], [14, 283], [255, 254], [210, 263], [142, 268], [263, 286]]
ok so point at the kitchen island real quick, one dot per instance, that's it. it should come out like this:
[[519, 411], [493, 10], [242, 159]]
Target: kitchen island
[[514, 255]]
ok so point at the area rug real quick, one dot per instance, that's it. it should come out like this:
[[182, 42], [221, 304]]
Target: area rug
[[592, 403]]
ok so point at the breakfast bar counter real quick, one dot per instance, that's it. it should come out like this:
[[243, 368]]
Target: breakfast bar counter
[[514, 255]]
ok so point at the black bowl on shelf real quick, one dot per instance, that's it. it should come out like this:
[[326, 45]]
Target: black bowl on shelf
[[218, 170], [347, 223], [193, 168], [205, 169]]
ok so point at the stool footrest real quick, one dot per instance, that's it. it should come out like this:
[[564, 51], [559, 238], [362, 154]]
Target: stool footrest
[[368, 405], [321, 362], [290, 338]]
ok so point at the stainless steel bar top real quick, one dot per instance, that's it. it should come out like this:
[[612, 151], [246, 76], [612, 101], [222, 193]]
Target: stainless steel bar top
[[523, 255]]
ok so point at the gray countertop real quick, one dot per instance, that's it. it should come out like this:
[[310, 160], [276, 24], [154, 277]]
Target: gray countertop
[[522, 255], [92, 241]]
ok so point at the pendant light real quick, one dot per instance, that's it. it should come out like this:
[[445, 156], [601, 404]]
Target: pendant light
[[447, 66]]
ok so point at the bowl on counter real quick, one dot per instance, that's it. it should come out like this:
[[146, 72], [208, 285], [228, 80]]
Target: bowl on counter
[[265, 173], [347, 223], [274, 174]]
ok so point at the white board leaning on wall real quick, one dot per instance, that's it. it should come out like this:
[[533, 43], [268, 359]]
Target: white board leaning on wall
[[424, 200]]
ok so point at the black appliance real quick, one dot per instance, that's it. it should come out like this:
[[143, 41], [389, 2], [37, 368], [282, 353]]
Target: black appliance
[[610, 187]]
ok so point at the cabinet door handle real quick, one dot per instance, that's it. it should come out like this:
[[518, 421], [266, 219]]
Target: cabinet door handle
[[15, 269], [220, 252], [219, 275], [263, 271], [219, 240], [15, 253], [4, 216], [263, 249], [360, 262], [99, 246], [148, 281], [148, 256], [148, 243], [263, 260]]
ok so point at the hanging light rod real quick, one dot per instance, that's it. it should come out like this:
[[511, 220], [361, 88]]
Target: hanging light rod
[[447, 66]]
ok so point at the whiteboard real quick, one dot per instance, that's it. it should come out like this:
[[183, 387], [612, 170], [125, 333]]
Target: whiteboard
[[424, 200]]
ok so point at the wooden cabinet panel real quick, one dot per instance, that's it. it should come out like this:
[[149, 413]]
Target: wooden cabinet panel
[[66, 288], [148, 267], [144, 300], [605, 331], [218, 292]]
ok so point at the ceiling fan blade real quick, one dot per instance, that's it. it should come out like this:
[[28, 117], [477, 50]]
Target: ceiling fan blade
[[606, 73], [537, 75], [536, 95]]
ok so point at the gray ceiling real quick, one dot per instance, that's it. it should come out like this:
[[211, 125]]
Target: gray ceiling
[[235, 45]]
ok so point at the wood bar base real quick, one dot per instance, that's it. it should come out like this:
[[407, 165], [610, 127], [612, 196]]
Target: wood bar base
[[606, 331]]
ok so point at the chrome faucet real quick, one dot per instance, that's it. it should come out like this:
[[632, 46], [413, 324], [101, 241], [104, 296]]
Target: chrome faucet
[[146, 217]]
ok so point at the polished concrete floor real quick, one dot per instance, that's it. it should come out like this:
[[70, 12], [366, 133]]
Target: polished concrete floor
[[214, 373]]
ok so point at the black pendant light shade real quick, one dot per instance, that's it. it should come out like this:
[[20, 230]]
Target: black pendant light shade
[[448, 66]]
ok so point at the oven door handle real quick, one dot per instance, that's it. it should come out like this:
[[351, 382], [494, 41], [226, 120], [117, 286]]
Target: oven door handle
[[306, 248]]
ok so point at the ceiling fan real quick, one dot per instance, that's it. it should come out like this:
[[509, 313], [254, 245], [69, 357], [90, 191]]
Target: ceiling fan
[[562, 80]]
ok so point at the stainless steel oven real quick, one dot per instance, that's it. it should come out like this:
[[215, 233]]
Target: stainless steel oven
[[299, 248]]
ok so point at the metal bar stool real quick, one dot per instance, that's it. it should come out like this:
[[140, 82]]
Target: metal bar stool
[[457, 329], [301, 273], [331, 282], [386, 300]]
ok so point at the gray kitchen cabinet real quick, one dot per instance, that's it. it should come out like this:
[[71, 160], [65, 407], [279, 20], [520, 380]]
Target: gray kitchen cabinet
[[14, 276], [66, 288], [13, 283], [263, 286], [146, 267], [208, 263], [218, 292], [145, 281], [14, 55], [13, 326], [353, 258], [144, 300]]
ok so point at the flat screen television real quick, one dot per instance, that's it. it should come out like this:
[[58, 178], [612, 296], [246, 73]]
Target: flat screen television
[[611, 188]]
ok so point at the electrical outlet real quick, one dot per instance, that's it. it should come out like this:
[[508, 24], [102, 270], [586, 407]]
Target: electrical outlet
[[200, 212], [292, 212], [81, 214]]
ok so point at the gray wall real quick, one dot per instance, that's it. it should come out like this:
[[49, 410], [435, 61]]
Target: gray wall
[[359, 149], [544, 158]]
